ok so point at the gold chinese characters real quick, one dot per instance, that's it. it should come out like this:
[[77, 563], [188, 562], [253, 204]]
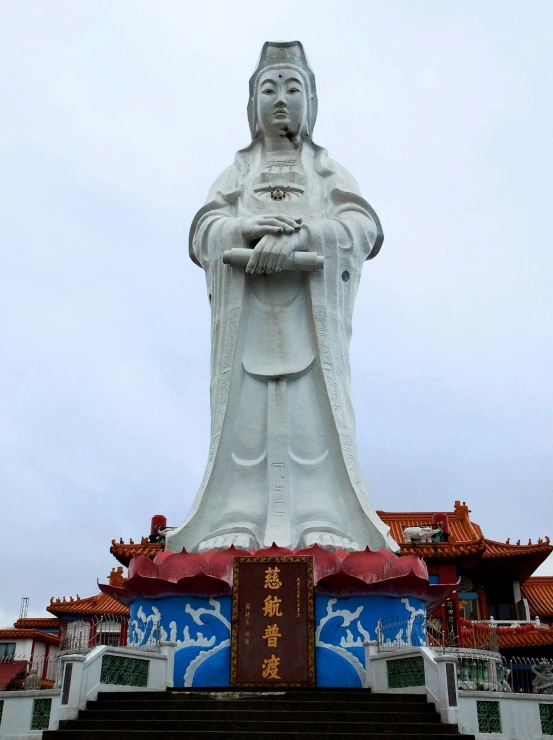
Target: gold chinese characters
[[272, 607], [271, 578], [270, 667], [271, 635]]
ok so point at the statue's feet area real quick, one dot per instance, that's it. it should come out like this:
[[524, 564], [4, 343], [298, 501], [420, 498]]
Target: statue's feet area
[[245, 541], [329, 541], [240, 540]]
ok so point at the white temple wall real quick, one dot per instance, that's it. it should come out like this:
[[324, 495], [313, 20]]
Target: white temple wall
[[519, 713], [18, 712]]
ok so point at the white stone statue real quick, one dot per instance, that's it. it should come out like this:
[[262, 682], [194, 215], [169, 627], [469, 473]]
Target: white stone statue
[[419, 534], [283, 463], [543, 677]]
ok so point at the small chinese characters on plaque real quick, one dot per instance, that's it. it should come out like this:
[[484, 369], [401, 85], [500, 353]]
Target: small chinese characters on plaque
[[273, 622]]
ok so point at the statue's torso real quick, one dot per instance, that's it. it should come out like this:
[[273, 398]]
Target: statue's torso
[[280, 340]]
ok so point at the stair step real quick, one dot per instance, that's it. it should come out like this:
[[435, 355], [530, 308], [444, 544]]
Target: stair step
[[260, 705], [236, 735], [134, 700], [261, 725], [240, 695], [231, 714]]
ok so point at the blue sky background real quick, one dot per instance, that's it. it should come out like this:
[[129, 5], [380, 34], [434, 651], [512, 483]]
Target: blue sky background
[[115, 118]]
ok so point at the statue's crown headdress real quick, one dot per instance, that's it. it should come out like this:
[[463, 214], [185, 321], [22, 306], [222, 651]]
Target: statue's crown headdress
[[279, 54]]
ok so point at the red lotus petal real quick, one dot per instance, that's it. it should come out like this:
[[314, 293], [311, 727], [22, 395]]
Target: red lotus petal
[[164, 554], [203, 585], [142, 565], [182, 564], [139, 587], [370, 566], [410, 564], [325, 562], [220, 563], [116, 592], [342, 584]]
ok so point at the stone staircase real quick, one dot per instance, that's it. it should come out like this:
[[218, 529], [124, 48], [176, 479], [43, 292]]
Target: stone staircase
[[226, 714]]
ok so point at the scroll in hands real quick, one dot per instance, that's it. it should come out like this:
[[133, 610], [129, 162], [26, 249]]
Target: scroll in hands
[[281, 244]]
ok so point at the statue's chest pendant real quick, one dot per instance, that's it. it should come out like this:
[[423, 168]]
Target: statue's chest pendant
[[279, 186]]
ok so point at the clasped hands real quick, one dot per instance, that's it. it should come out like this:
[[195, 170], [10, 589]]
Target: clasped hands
[[279, 237]]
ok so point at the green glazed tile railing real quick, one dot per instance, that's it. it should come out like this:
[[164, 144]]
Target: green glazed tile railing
[[546, 718], [404, 672], [124, 671], [489, 717], [41, 714], [1, 709]]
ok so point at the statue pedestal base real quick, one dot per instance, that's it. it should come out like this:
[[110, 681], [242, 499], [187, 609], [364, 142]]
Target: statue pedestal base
[[197, 601]]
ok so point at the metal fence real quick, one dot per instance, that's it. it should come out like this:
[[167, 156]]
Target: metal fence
[[80, 636], [517, 675], [113, 631], [21, 673], [401, 634], [417, 631]]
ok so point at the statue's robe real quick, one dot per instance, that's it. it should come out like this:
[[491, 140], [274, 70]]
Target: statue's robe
[[254, 481]]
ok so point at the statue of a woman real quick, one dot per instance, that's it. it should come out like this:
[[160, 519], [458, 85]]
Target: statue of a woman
[[283, 461]]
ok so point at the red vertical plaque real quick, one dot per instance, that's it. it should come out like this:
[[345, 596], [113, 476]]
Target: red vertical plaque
[[273, 622]]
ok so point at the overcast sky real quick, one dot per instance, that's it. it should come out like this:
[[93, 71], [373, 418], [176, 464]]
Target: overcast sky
[[115, 118]]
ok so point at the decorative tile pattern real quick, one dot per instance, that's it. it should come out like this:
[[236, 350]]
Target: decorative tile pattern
[[546, 718], [41, 714], [122, 671], [404, 672], [489, 717]]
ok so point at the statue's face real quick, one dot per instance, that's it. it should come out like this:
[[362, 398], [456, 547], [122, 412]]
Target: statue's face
[[281, 102]]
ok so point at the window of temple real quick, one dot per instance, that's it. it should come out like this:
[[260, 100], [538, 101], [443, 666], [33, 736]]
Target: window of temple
[[7, 650], [76, 636], [502, 611], [469, 605], [108, 633]]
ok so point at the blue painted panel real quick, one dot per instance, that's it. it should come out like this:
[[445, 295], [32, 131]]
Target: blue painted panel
[[344, 624], [201, 629], [199, 626], [333, 669]]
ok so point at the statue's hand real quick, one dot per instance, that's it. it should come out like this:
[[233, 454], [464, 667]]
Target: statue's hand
[[271, 251], [260, 226]]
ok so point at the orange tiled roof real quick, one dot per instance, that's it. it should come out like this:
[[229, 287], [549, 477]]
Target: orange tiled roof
[[539, 592], [14, 634], [37, 623], [125, 552], [90, 607], [507, 550], [460, 526], [444, 550], [466, 538], [534, 638]]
